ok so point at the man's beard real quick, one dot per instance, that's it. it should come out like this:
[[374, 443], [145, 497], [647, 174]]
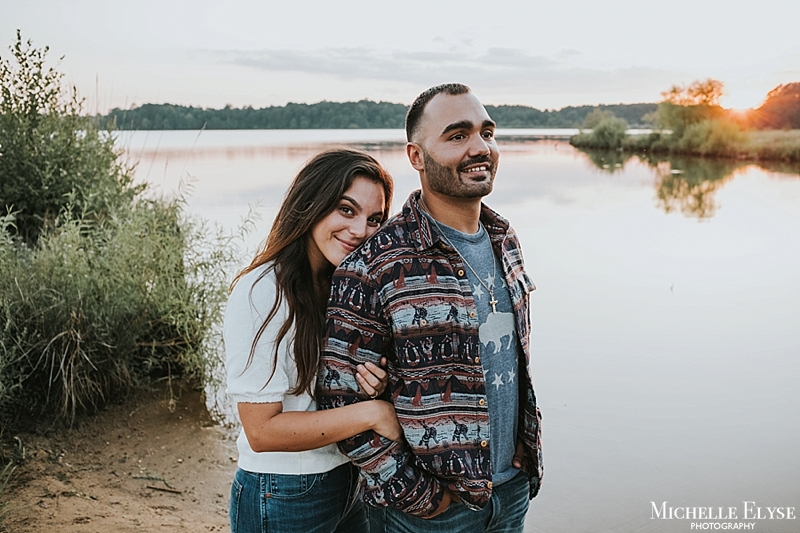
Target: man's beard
[[445, 180]]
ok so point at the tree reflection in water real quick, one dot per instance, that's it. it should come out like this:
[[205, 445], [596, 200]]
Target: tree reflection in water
[[684, 184], [610, 161], [688, 185]]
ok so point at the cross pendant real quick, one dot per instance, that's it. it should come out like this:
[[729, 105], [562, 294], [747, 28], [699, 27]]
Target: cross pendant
[[493, 303]]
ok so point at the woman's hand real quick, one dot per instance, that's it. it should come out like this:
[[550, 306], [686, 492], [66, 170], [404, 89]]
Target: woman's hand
[[372, 378], [385, 420]]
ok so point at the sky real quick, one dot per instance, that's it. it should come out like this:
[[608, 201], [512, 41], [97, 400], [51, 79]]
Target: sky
[[545, 54]]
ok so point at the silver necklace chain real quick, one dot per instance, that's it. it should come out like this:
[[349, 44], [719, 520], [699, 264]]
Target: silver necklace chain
[[493, 302]]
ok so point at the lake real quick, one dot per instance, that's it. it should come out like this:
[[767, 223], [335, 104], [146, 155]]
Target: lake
[[666, 324]]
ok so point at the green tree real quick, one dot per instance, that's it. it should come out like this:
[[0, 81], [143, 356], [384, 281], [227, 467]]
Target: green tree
[[50, 155], [595, 117], [682, 106]]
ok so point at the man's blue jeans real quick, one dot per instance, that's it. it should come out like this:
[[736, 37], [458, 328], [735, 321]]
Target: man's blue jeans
[[307, 503], [505, 513]]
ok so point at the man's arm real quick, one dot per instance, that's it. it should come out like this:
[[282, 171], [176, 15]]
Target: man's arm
[[357, 333]]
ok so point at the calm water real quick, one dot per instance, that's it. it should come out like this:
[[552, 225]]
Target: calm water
[[665, 325]]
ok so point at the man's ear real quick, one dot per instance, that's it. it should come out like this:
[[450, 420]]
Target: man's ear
[[415, 157]]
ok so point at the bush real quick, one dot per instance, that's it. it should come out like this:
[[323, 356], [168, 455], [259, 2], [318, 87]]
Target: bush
[[608, 132], [711, 137], [101, 287], [50, 155]]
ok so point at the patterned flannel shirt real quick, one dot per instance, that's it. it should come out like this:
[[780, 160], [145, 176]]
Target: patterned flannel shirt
[[405, 295]]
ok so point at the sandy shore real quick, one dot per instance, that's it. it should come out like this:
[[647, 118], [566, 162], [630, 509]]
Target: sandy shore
[[147, 465]]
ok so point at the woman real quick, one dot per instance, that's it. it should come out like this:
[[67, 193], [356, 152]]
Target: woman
[[291, 476]]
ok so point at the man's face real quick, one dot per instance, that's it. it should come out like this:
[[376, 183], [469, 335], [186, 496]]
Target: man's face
[[456, 139]]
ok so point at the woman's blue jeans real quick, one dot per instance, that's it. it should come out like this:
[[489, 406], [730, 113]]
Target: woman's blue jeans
[[304, 503]]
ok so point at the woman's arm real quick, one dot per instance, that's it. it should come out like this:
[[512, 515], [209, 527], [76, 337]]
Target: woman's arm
[[269, 429]]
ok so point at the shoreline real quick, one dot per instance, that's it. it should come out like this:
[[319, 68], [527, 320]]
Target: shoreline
[[148, 464], [778, 146]]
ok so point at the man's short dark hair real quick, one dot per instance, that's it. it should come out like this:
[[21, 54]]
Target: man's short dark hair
[[415, 111]]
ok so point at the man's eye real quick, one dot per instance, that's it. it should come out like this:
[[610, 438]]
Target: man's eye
[[458, 137], [488, 134]]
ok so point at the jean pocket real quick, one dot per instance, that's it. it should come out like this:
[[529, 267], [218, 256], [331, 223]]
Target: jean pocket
[[233, 507], [290, 486]]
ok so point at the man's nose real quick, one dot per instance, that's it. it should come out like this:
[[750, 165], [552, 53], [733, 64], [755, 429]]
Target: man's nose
[[479, 146]]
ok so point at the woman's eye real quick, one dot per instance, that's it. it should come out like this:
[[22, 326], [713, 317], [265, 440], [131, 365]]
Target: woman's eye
[[346, 210], [374, 222]]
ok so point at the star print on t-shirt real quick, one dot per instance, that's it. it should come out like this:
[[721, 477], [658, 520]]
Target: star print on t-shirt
[[477, 291]]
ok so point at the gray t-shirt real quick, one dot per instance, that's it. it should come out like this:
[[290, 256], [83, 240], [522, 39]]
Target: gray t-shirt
[[499, 346]]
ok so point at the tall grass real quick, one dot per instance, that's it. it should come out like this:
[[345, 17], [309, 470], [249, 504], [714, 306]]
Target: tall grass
[[94, 309]]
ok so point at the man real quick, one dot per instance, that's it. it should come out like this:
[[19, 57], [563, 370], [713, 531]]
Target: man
[[441, 291]]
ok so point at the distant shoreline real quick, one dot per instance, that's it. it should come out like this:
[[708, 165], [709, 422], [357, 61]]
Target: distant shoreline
[[364, 114]]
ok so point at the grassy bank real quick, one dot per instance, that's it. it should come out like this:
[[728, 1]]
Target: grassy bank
[[103, 286], [707, 139]]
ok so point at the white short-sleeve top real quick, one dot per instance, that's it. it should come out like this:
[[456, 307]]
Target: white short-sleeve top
[[248, 305]]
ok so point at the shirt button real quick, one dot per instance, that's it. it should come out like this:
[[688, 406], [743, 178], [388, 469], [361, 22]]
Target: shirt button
[[460, 272], [477, 360], [484, 444], [473, 314], [481, 402], [489, 485]]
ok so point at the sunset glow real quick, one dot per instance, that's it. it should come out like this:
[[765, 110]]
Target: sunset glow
[[742, 100]]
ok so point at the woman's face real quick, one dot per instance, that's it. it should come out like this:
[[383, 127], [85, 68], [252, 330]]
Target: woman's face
[[356, 218]]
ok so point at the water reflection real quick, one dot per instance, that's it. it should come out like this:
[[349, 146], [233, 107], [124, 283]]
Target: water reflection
[[689, 186], [684, 184], [610, 161]]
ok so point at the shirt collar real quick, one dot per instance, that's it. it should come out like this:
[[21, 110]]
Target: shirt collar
[[425, 235]]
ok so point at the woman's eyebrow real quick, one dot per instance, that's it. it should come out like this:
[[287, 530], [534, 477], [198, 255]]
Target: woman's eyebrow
[[352, 201]]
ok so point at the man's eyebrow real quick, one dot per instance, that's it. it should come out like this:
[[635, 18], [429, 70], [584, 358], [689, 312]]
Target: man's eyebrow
[[467, 125], [461, 125]]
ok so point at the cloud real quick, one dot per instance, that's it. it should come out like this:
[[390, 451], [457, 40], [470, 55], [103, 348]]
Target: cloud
[[506, 67]]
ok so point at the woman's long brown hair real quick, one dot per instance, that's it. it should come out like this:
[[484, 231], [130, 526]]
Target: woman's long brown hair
[[314, 193]]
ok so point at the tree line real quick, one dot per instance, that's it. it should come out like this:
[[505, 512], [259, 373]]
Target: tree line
[[690, 121], [364, 114]]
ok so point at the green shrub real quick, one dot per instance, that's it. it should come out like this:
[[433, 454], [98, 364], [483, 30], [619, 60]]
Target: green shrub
[[51, 155], [101, 286], [608, 132], [94, 309], [711, 137]]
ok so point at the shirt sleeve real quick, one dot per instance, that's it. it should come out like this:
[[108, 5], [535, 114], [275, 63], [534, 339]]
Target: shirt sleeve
[[248, 306], [356, 332]]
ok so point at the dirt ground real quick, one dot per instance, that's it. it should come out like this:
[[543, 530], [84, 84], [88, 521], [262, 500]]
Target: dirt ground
[[149, 465]]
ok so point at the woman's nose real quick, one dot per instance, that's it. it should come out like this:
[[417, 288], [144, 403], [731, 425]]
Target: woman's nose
[[358, 228]]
